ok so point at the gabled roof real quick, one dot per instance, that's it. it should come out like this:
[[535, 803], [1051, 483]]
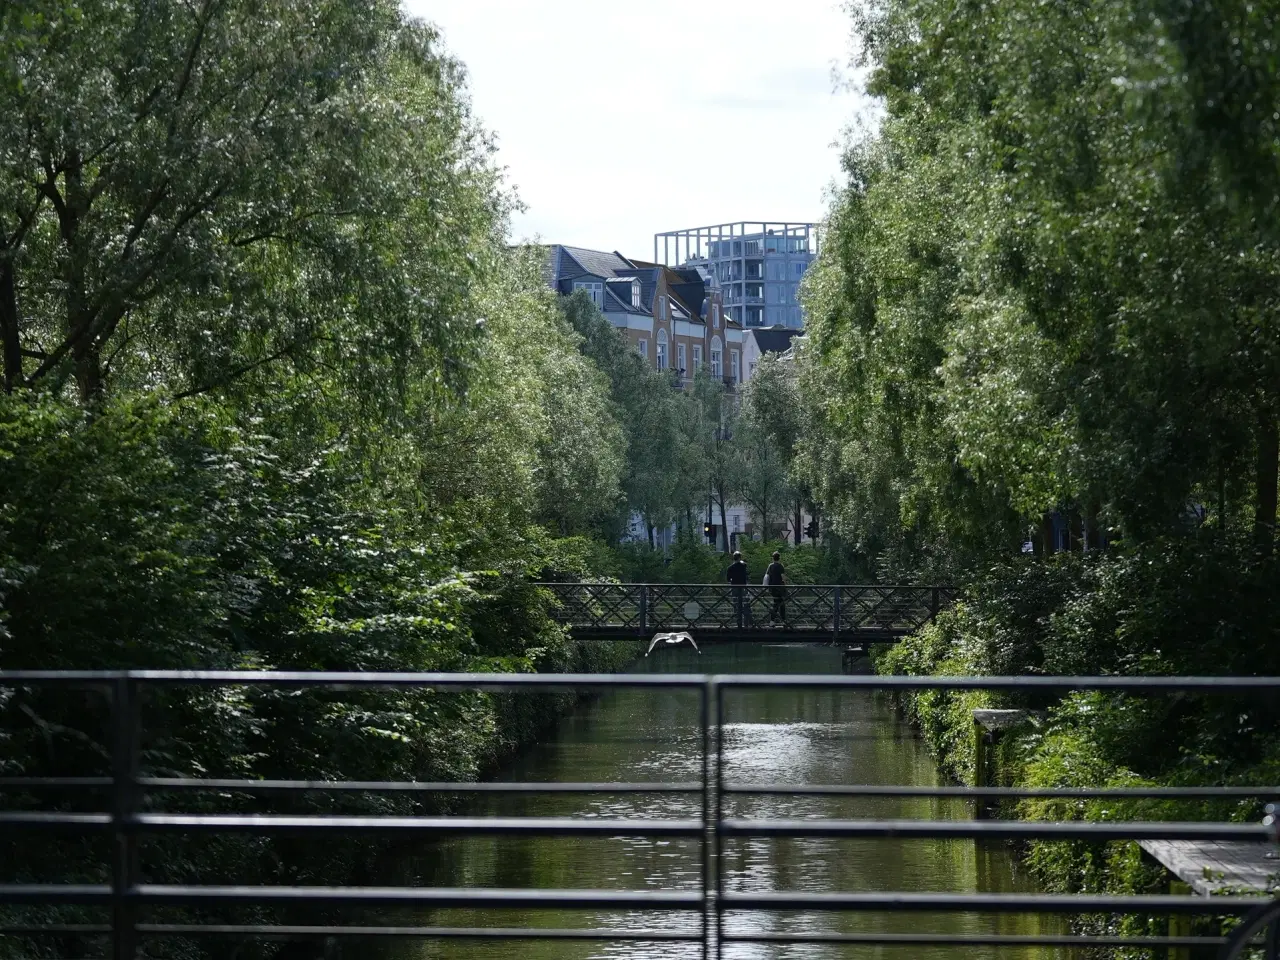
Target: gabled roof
[[773, 339], [594, 263]]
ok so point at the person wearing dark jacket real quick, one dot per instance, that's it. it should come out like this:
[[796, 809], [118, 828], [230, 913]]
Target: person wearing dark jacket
[[775, 578], [737, 575]]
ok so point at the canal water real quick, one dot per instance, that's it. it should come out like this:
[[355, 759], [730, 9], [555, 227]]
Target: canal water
[[790, 736]]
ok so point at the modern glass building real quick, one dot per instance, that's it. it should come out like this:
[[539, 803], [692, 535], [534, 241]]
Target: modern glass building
[[757, 265]]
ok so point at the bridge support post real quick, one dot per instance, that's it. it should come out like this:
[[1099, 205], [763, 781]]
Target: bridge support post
[[644, 609], [1179, 924], [835, 616]]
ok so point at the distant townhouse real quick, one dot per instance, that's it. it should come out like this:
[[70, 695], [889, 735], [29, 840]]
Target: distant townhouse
[[673, 316], [758, 342]]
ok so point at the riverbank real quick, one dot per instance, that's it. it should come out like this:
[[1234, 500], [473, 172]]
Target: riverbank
[[1078, 740]]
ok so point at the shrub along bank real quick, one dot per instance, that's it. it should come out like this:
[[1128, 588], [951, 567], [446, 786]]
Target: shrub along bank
[[1178, 608]]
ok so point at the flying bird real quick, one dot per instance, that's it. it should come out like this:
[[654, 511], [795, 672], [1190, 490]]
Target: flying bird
[[672, 638]]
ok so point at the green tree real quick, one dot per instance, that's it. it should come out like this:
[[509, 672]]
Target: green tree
[[192, 193]]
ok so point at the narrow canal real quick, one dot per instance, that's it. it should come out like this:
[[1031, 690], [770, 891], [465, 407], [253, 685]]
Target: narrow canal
[[791, 736]]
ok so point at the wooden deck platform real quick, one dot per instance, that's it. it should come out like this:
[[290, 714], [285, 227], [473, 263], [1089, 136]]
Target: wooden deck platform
[[1210, 867]]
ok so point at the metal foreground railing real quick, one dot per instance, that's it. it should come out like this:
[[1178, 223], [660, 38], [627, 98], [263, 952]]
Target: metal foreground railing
[[142, 913], [841, 612]]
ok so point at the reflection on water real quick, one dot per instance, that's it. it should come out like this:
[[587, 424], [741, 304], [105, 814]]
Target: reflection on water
[[791, 736]]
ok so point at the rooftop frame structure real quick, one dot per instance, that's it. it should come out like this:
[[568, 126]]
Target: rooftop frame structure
[[678, 247]]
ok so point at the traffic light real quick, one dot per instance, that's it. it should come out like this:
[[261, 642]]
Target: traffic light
[[709, 531], [811, 531]]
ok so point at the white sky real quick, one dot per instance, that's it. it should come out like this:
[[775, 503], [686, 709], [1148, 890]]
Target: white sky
[[616, 121]]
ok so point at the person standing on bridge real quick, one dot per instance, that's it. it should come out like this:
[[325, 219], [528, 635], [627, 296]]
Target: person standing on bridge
[[775, 578], [737, 576]]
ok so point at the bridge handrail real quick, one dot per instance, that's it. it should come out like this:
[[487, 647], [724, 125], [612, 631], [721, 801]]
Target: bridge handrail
[[835, 611], [128, 819]]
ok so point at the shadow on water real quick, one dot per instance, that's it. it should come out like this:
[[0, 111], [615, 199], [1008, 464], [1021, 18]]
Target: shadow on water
[[792, 736]]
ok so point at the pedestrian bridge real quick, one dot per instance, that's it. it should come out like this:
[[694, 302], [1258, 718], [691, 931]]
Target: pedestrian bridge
[[868, 613]]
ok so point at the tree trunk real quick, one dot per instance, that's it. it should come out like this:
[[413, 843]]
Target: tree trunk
[[1264, 517], [89, 376], [1075, 531], [12, 345], [798, 518], [1047, 546], [651, 543], [1222, 498], [1092, 531], [724, 524]]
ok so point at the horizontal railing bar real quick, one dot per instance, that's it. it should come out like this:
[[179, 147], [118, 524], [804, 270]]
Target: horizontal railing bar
[[1119, 684], [424, 933], [269, 931], [617, 936], [807, 587], [973, 939], [344, 786], [54, 929], [39, 783], [997, 829], [990, 902], [1065, 793], [582, 826], [559, 826], [166, 895], [337, 680], [272, 824], [553, 681], [40, 820], [157, 895], [55, 893]]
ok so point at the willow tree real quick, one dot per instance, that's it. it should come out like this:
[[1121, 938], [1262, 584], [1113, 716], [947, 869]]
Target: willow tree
[[192, 192]]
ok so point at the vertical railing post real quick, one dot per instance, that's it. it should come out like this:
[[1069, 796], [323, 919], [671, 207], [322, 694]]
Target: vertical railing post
[[933, 603], [644, 609], [717, 851], [124, 795], [835, 616], [710, 906]]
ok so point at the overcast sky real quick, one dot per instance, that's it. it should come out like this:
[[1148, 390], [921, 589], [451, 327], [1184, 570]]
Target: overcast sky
[[616, 121]]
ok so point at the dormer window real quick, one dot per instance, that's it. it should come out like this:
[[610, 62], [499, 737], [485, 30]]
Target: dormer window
[[594, 289], [635, 293]]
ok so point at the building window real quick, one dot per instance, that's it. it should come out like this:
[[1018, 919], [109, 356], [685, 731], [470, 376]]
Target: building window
[[716, 365], [635, 293], [680, 358], [736, 520], [594, 290], [751, 370], [662, 350], [800, 267], [733, 365], [715, 316], [643, 346], [697, 356], [662, 310]]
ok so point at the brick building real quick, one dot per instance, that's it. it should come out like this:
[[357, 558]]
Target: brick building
[[674, 317]]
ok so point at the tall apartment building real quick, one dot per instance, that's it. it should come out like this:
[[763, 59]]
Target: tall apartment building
[[758, 266], [673, 317]]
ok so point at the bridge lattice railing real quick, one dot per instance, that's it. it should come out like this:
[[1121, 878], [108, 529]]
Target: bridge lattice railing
[[834, 610]]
